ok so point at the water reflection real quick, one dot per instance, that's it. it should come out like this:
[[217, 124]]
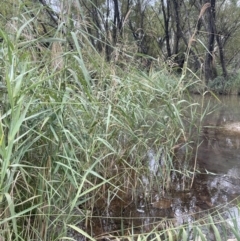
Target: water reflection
[[221, 138], [218, 183]]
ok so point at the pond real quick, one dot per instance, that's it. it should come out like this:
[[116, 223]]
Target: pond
[[216, 184], [219, 152]]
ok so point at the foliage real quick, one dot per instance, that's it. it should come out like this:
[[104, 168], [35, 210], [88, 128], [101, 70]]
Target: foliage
[[219, 85], [75, 127]]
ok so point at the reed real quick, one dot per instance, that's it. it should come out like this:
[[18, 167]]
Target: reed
[[78, 134]]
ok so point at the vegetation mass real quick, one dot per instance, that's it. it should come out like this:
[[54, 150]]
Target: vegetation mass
[[88, 88]]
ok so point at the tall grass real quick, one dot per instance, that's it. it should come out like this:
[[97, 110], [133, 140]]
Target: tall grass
[[77, 130]]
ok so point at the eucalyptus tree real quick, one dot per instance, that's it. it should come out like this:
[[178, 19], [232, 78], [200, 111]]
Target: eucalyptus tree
[[228, 30], [176, 31], [210, 68], [216, 30]]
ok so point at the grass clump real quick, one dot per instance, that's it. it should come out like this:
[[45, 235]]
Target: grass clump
[[77, 131]]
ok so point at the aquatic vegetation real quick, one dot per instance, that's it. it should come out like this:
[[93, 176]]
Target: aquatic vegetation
[[87, 139]]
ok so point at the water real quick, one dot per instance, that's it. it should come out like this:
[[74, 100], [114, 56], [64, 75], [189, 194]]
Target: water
[[219, 151], [216, 184]]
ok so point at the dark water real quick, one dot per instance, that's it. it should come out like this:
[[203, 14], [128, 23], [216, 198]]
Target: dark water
[[218, 156], [215, 186], [220, 150]]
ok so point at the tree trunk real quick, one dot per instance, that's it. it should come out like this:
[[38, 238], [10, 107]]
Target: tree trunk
[[116, 21], [210, 68], [221, 54], [175, 16], [166, 17], [179, 55], [107, 46]]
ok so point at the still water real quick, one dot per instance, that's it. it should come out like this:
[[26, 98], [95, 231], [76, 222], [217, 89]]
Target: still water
[[216, 185], [219, 152]]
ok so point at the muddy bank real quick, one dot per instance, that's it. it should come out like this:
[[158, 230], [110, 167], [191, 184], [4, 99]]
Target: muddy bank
[[233, 128]]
